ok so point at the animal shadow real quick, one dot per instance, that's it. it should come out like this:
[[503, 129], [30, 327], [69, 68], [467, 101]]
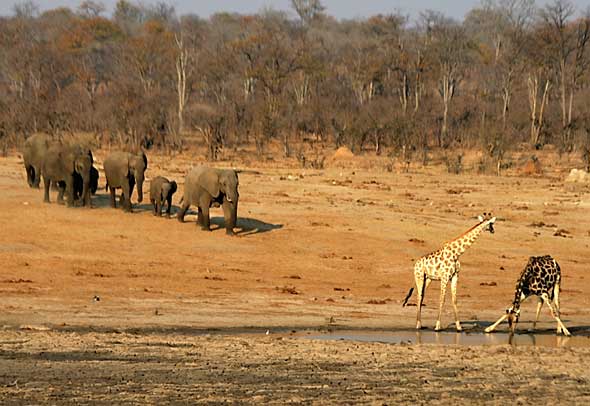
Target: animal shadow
[[149, 207], [247, 226], [103, 200], [145, 207]]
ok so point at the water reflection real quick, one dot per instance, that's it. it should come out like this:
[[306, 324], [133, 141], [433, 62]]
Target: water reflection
[[453, 338]]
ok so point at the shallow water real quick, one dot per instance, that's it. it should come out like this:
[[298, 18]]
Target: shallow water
[[451, 338]]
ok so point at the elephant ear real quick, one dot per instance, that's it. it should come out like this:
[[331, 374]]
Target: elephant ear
[[210, 182], [173, 187]]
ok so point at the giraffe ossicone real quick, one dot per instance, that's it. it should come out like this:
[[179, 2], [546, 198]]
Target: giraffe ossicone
[[443, 265]]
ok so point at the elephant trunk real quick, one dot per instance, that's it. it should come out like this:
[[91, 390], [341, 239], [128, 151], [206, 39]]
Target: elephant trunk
[[83, 168], [234, 214], [232, 196], [139, 181], [86, 189], [93, 180], [231, 215]]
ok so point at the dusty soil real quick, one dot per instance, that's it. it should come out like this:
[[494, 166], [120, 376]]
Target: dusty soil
[[164, 367], [126, 297]]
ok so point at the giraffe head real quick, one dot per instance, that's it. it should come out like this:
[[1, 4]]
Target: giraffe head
[[489, 220], [513, 315]]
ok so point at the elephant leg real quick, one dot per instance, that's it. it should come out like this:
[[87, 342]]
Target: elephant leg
[[46, 185], [229, 216], [60, 192], [113, 198], [169, 208], [159, 207], [205, 221], [126, 196], [36, 174], [153, 202], [182, 212], [30, 175], [199, 216]]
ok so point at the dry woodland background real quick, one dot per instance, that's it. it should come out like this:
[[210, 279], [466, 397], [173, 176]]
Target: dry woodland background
[[511, 74]]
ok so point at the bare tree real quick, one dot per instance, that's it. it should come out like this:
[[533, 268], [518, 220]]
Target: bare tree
[[449, 49], [187, 54], [307, 10], [91, 9], [538, 85], [567, 44], [27, 9]]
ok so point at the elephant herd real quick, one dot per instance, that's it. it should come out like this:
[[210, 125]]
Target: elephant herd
[[69, 168]]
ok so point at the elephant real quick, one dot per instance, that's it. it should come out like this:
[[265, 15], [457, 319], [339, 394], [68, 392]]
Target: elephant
[[123, 170], [207, 187], [34, 152], [61, 165], [79, 183], [161, 190]]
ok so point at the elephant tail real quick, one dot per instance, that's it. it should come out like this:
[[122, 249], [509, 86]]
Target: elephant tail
[[106, 186], [405, 302], [181, 200]]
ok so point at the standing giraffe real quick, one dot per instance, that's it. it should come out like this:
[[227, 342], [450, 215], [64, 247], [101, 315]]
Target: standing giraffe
[[443, 265], [541, 277]]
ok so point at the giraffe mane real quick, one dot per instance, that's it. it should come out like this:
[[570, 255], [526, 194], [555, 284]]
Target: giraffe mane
[[465, 233]]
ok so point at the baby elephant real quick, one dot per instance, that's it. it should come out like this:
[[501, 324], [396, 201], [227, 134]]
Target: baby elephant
[[161, 190]]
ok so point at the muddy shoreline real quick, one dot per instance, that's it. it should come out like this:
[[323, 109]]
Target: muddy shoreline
[[105, 368]]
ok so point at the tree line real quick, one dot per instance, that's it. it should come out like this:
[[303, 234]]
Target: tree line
[[511, 73]]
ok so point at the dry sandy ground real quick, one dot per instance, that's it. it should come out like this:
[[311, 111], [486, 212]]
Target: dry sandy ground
[[125, 295], [159, 367]]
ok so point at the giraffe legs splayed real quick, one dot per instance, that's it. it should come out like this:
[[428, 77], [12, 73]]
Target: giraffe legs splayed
[[542, 278]]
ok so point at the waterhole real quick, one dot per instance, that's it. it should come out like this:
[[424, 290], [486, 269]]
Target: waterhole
[[451, 338]]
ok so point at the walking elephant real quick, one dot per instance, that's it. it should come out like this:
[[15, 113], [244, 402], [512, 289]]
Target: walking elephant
[[61, 165], [123, 170], [34, 152], [206, 187], [161, 190]]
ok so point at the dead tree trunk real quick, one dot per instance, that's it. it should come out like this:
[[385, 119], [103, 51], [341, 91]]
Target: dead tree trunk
[[182, 62], [537, 107], [447, 91]]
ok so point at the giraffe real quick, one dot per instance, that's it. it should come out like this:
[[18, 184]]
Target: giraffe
[[541, 277], [443, 265]]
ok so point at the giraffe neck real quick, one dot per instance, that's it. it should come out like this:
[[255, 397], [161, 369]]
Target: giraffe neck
[[460, 244], [518, 294]]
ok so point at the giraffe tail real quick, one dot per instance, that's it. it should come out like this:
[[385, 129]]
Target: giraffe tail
[[405, 302]]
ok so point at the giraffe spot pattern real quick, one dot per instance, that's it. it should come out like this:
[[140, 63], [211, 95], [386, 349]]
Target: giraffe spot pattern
[[540, 276]]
